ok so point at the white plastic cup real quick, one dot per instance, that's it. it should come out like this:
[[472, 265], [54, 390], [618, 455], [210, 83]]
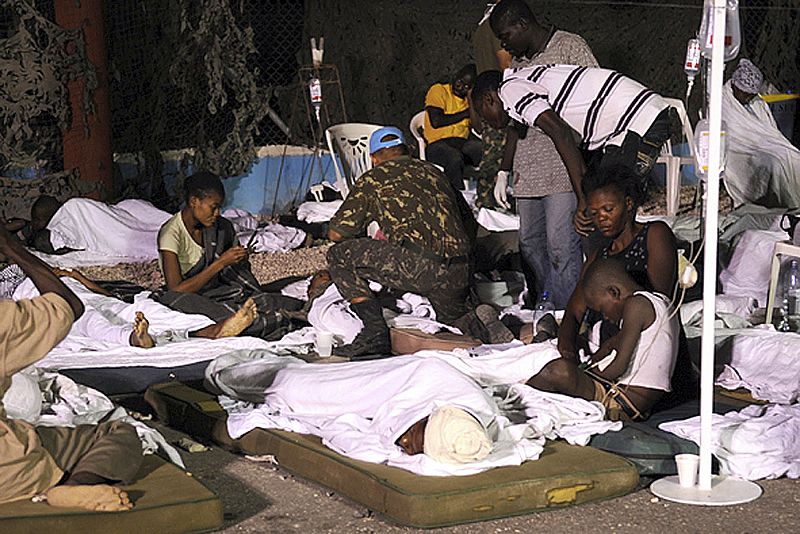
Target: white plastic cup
[[687, 469], [324, 344]]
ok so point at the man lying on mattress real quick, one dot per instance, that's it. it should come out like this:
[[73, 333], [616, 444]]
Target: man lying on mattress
[[71, 467], [205, 268], [630, 372], [96, 325]]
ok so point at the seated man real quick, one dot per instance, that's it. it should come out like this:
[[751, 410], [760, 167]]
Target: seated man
[[631, 371], [424, 246], [71, 467], [448, 121], [763, 166]]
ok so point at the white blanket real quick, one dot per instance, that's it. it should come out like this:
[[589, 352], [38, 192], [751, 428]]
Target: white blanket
[[360, 409], [765, 362], [763, 166], [757, 442], [78, 350], [496, 221], [747, 274], [123, 233], [317, 212], [271, 237]]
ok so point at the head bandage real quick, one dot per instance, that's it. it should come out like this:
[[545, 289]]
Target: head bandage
[[453, 436], [747, 77]]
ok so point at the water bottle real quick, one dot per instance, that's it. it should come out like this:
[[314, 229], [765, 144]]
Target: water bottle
[[543, 306], [791, 291]]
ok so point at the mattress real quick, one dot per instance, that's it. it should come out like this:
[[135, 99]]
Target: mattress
[[564, 475], [166, 499]]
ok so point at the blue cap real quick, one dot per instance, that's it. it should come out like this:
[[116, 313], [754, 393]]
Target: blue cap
[[376, 144]]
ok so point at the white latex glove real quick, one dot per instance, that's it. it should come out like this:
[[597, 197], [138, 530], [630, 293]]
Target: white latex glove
[[500, 186]]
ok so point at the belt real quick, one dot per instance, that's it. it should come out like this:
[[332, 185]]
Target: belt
[[455, 260]]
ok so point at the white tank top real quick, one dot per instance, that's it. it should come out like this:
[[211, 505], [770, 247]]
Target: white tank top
[[654, 358]]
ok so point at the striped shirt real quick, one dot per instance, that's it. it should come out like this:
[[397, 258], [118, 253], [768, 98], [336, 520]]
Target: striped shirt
[[600, 104]]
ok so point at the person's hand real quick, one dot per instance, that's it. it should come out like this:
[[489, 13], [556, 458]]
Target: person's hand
[[233, 255], [582, 222], [58, 271], [500, 187]]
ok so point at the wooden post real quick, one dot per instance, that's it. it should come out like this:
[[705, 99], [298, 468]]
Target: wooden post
[[91, 154]]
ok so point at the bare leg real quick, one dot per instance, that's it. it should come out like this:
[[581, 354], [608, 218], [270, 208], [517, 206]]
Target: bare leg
[[99, 497], [233, 325], [140, 337], [563, 376]]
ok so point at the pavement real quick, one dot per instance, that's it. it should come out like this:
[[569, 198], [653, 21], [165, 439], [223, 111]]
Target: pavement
[[260, 497]]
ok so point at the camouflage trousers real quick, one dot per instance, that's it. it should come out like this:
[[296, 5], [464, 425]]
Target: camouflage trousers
[[494, 143], [353, 262]]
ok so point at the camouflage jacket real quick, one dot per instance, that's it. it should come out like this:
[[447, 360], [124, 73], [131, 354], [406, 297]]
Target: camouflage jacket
[[412, 202]]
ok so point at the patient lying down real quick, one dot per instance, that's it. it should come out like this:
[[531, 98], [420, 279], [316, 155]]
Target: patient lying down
[[449, 435]]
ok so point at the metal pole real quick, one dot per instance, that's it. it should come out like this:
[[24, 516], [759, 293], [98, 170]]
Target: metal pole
[[710, 263]]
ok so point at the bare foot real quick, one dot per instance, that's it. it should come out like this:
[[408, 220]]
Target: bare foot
[[239, 321], [140, 337], [99, 498]]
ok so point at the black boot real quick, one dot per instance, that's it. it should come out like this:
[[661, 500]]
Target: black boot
[[482, 323], [374, 337]]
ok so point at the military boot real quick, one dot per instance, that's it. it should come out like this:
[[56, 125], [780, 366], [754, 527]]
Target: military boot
[[483, 323], [374, 336]]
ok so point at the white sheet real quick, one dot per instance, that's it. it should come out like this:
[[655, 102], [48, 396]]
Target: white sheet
[[316, 212], [496, 221], [76, 351], [765, 362], [763, 166], [271, 237], [747, 274], [757, 442], [125, 232], [360, 409]]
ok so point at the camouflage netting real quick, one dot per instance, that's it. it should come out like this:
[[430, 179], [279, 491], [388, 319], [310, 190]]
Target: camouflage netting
[[37, 59], [19, 194], [184, 76], [389, 53]]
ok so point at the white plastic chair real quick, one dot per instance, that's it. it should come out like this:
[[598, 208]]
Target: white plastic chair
[[673, 163], [417, 126], [350, 142]]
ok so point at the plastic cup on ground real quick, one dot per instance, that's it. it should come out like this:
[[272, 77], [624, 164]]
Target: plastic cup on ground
[[687, 469], [324, 344]]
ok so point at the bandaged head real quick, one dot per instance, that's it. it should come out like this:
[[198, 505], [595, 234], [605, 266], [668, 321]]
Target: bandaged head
[[453, 436], [747, 77]]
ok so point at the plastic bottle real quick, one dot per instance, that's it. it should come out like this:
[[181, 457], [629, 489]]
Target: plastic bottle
[[315, 93], [543, 306], [733, 36], [691, 66], [791, 290]]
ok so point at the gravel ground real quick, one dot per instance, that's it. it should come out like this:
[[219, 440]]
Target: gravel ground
[[260, 497]]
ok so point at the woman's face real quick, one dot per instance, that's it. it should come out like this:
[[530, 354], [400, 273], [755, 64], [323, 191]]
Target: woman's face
[[206, 210], [610, 210]]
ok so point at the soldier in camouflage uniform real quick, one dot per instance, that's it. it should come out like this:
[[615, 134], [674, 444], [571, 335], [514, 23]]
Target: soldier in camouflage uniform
[[494, 142], [422, 246]]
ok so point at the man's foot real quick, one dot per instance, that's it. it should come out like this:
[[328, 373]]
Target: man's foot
[[99, 498], [140, 337], [374, 336], [239, 321]]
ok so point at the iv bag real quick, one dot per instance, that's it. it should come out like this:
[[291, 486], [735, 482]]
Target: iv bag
[[733, 37], [701, 150]]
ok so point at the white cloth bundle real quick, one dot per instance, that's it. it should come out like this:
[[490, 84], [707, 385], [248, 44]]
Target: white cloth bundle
[[453, 436]]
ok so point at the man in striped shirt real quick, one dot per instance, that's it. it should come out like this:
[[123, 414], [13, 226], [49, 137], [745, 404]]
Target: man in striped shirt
[[615, 117]]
